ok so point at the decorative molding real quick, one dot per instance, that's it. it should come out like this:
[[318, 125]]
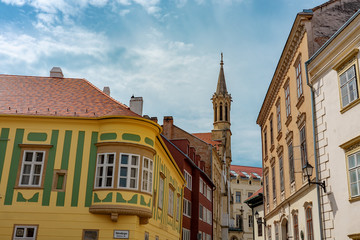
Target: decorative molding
[[288, 120], [300, 120], [300, 101], [279, 149], [351, 144], [289, 136], [351, 57]]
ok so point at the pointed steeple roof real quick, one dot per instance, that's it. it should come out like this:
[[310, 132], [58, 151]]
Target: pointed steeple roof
[[221, 85]]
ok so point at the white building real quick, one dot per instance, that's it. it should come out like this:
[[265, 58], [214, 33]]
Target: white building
[[333, 73]]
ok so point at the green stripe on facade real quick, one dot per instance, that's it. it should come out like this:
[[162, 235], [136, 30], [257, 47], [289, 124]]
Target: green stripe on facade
[[77, 173], [3, 144], [131, 137], [50, 168], [14, 166], [91, 170], [34, 136], [108, 136], [60, 201], [149, 141]]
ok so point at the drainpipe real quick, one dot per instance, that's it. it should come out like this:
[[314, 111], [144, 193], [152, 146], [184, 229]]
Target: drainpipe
[[315, 152]]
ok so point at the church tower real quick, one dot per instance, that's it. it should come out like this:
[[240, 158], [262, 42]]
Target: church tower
[[221, 133]]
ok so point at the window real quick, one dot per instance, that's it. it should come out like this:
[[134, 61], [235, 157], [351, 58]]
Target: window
[[249, 194], [25, 232], [291, 162], [185, 234], [171, 202], [276, 231], [296, 227], [287, 100], [303, 146], [161, 192], [278, 116], [128, 171], [250, 221], [221, 112], [281, 169], [178, 208], [238, 197], [201, 186], [309, 224], [208, 195], [269, 233], [259, 225], [146, 236], [105, 170], [188, 179], [32, 168], [273, 181], [239, 221], [298, 79], [187, 208], [209, 217], [354, 173], [90, 234], [271, 132], [147, 175], [265, 142], [267, 188], [201, 212], [59, 180], [348, 86]]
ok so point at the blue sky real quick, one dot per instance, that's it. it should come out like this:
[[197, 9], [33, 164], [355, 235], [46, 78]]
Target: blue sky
[[168, 52]]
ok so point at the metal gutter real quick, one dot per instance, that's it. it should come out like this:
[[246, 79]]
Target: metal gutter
[[315, 152]]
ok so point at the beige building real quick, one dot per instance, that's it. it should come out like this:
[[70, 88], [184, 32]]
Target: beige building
[[245, 181], [334, 76], [291, 205]]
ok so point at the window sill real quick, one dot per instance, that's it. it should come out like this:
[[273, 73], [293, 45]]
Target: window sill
[[350, 105], [354, 199], [300, 101], [288, 120]]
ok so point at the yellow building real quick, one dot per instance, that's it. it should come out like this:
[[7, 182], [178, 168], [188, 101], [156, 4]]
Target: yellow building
[[77, 164], [292, 208]]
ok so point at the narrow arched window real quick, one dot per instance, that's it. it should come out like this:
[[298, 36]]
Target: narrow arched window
[[215, 113], [221, 112], [226, 113]]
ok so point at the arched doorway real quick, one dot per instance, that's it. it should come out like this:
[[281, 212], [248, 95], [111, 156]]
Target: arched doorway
[[284, 229]]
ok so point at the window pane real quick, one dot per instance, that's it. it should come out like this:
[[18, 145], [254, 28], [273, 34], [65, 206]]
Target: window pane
[[351, 160], [132, 183], [20, 232], [37, 169], [124, 159], [133, 172], [26, 169], [108, 182], [134, 160], [111, 158], [122, 182], [354, 189], [109, 171], [36, 180], [30, 232], [146, 163], [28, 156], [353, 176], [101, 159], [25, 180], [350, 73], [39, 156], [123, 171], [358, 158]]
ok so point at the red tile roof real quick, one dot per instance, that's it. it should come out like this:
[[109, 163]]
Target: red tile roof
[[240, 170], [47, 96], [261, 190], [206, 137]]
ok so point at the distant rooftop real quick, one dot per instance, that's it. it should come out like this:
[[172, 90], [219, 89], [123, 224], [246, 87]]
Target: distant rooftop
[[246, 172]]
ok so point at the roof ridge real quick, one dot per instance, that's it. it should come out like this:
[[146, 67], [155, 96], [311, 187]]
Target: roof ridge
[[245, 166]]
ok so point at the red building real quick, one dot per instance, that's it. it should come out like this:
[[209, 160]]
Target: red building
[[198, 204]]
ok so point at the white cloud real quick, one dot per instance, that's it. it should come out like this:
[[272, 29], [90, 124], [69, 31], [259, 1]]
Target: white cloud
[[14, 2], [124, 12]]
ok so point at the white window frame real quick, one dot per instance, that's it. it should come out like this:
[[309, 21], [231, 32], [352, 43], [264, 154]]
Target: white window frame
[[161, 193], [201, 212], [299, 79], [208, 194], [187, 208], [129, 167], [25, 227], [346, 85], [171, 202], [147, 175], [209, 217], [201, 186], [178, 208], [186, 234], [236, 195], [278, 115], [287, 100], [104, 171], [303, 147], [32, 165], [281, 171], [354, 173], [188, 179]]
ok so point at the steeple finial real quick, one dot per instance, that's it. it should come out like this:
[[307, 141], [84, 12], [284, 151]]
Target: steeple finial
[[221, 86], [222, 62]]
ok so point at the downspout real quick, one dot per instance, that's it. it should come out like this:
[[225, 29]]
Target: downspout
[[315, 152]]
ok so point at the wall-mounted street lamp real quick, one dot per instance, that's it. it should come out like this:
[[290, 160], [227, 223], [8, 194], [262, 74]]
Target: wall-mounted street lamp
[[258, 219], [307, 171]]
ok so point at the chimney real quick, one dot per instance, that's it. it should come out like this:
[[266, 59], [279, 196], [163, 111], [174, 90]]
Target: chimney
[[154, 119], [56, 72], [168, 126], [136, 105], [106, 90]]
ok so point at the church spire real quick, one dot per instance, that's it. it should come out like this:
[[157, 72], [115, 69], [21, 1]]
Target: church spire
[[221, 85]]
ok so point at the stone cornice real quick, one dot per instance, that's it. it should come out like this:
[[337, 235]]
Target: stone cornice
[[296, 35]]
